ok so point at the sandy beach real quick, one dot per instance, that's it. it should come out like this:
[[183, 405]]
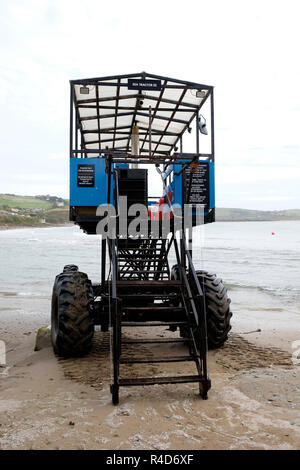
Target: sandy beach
[[47, 403]]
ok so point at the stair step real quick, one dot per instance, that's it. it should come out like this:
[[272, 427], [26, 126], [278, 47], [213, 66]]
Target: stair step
[[146, 360], [156, 295], [146, 260], [153, 307], [142, 248], [153, 323], [143, 271], [155, 340], [161, 380], [151, 283]]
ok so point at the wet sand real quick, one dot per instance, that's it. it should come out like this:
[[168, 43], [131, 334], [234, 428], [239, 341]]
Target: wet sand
[[47, 403]]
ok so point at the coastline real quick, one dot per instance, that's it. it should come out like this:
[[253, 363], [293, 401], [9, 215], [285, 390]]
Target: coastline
[[15, 227], [70, 224], [258, 220]]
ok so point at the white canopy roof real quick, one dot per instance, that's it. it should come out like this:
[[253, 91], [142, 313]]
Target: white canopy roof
[[107, 109]]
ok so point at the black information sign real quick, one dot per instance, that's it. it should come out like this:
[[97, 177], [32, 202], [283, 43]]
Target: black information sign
[[200, 185], [142, 84], [86, 176]]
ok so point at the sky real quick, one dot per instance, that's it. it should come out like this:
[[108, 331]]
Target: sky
[[248, 50]]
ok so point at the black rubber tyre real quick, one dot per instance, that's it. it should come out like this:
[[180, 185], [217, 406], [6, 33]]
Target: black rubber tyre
[[70, 267], [72, 325], [218, 313], [217, 303]]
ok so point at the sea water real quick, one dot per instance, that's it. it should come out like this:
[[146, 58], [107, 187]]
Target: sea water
[[252, 256]]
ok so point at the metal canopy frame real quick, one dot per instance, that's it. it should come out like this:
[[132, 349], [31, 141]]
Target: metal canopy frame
[[162, 126]]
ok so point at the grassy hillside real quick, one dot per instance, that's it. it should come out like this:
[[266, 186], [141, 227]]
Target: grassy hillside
[[232, 214], [23, 202], [51, 217], [32, 211], [17, 221], [42, 210]]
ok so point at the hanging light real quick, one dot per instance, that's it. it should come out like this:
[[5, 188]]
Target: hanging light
[[200, 93], [84, 90]]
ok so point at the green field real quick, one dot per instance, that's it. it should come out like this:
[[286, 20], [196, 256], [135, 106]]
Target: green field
[[17, 221], [23, 202], [26, 204], [52, 217]]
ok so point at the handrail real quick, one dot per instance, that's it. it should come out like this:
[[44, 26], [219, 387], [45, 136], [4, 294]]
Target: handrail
[[195, 299], [114, 269], [167, 195], [117, 199], [192, 268], [186, 283], [154, 159], [186, 165], [202, 365], [115, 320], [200, 302]]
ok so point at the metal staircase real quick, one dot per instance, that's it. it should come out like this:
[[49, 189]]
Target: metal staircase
[[143, 297], [143, 259]]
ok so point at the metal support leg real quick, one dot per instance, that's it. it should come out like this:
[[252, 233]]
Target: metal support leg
[[116, 353], [190, 245], [103, 261], [116, 320]]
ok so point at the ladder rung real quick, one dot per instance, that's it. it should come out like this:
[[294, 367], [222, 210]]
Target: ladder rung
[[146, 260], [155, 307], [154, 323], [158, 248], [163, 380], [143, 271], [146, 360], [155, 340], [165, 283], [164, 296]]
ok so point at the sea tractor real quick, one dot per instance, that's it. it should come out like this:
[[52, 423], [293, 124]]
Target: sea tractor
[[122, 128]]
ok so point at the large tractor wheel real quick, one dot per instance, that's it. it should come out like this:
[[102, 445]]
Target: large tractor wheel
[[218, 313], [72, 326], [217, 304]]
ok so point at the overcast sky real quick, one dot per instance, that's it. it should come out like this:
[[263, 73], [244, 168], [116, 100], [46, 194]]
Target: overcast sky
[[248, 50]]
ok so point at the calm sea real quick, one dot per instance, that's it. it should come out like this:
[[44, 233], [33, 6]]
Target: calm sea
[[262, 256]]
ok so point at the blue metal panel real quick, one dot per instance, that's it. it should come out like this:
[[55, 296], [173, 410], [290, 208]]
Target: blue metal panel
[[88, 196], [177, 185], [121, 166], [96, 195]]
